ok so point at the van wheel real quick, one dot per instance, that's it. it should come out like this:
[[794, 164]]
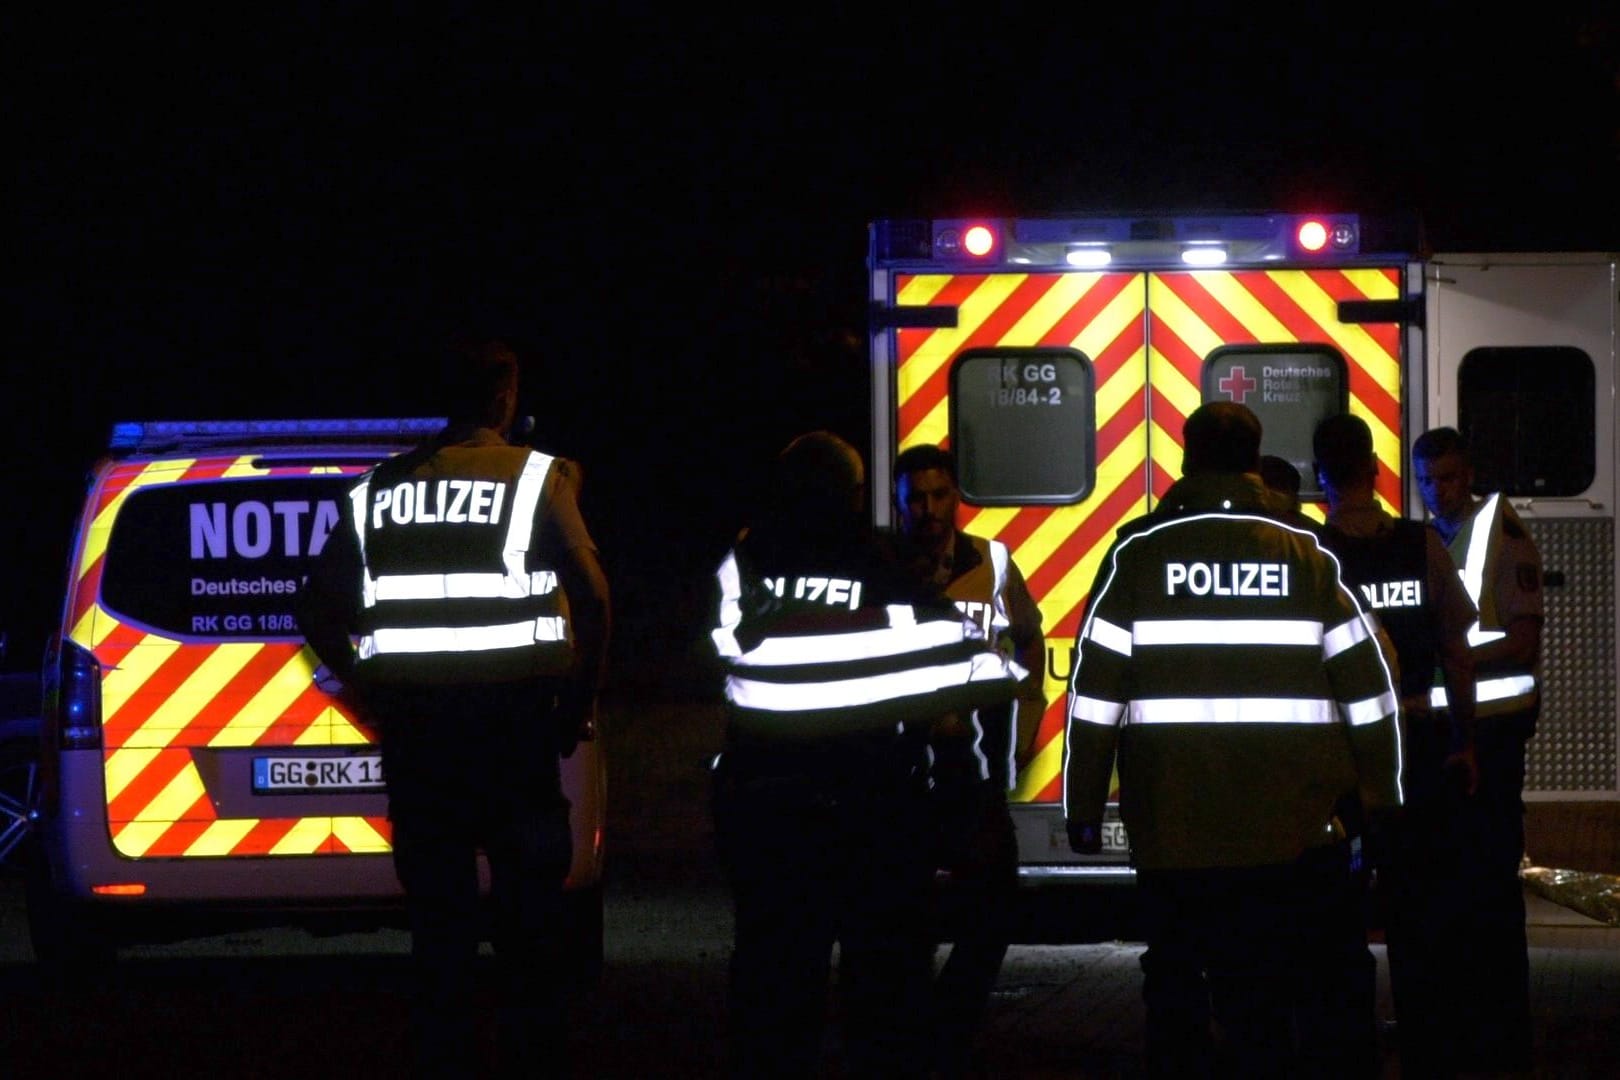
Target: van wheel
[[68, 941], [582, 911], [19, 789]]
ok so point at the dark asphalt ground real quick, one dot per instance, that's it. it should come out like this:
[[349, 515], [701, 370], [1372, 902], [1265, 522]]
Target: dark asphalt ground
[[278, 1004]]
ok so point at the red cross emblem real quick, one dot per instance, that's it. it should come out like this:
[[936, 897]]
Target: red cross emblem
[[1236, 386]]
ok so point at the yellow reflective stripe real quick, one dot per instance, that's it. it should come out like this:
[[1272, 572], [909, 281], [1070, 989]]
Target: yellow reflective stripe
[[221, 837], [358, 835], [122, 680], [155, 819], [124, 765], [222, 664], [268, 703], [304, 838]]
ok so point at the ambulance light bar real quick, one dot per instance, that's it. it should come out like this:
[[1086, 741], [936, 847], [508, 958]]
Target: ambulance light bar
[[146, 436], [1095, 242]]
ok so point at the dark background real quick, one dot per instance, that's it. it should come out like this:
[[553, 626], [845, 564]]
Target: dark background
[[665, 211]]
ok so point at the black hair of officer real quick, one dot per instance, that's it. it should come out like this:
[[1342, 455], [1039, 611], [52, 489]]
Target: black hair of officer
[[1280, 475], [1343, 447], [1221, 437], [478, 383], [925, 456]]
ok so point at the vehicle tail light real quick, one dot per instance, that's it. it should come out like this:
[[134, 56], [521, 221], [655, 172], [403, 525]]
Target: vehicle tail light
[[73, 699]]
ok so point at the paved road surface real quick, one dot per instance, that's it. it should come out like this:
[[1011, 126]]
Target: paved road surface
[[284, 1005]]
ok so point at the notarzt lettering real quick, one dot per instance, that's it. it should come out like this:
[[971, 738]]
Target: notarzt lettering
[[1226, 579], [450, 502], [813, 589], [251, 531], [1390, 594]]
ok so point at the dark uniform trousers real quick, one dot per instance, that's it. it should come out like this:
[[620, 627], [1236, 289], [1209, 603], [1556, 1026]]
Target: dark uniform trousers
[[977, 844], [1242, 975], [825, 846], [473, 769], [1496, 965]]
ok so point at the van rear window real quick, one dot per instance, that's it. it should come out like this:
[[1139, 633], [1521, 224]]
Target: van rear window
[[219, 558]]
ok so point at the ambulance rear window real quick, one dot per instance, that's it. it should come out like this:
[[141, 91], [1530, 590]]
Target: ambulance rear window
[[1529, 416], [1291, 388], [1023, 425], [218, 559]]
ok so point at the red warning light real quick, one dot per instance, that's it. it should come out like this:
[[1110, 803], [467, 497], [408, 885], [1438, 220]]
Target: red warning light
[[978, 240], [1312, 235]]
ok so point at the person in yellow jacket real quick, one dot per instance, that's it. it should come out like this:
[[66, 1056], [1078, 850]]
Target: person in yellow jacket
[[1501, 568], [976, 760]]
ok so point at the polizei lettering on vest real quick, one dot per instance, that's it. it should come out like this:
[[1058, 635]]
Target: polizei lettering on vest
[[1391, 594], [838, 591], [1226, 579], [449, 502]]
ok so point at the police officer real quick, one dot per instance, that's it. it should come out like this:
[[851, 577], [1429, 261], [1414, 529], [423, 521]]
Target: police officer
[[1501, 569], [1402, 572], [836, 665], [1224, 661], [462, 600], [975, 763]]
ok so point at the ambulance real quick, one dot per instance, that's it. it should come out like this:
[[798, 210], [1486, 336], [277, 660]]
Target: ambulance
[[1058, 358], [194, 777]]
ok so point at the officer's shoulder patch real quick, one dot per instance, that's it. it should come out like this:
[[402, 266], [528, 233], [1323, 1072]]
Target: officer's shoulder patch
[[1529, 577]]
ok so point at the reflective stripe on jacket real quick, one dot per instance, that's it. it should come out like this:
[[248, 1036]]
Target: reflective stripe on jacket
[[811, 655], [451, 590], [1476, 549]]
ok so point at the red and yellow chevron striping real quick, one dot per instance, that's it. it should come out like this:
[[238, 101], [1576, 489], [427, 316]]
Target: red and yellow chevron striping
[[1146, 336]]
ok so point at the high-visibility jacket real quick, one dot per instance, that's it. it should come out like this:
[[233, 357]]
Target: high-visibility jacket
[[452, 587], [1239, 680], [984, 592], [820, 651], [1479, 549]]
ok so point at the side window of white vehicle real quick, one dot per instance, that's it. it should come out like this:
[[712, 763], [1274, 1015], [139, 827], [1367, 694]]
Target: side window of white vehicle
[[1530, 419]]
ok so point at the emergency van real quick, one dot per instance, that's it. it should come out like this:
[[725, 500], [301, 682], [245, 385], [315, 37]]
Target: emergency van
[[194, 777], [1059, 357]]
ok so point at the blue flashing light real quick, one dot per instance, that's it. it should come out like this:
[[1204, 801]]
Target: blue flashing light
[[138, 435]]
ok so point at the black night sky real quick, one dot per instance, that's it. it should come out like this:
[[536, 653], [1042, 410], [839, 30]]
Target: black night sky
[[280, 214]]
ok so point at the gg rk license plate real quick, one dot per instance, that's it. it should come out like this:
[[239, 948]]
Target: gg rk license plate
[[303, 775]]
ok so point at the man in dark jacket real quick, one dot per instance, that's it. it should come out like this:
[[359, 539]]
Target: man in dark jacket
[[1243, 690]]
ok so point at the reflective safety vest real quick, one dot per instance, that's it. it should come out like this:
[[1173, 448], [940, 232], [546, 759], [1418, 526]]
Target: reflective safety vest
[[452, 591], [1476, 549], [981, 595], [808, 656]]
